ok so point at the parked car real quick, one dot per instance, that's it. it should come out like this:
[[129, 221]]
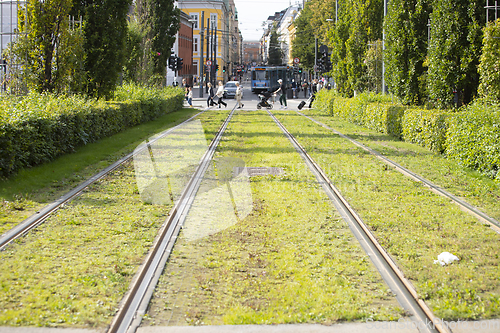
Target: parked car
[[230, 89]]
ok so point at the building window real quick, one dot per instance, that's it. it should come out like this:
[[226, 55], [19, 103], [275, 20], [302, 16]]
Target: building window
[[213, 21], [195, 44], [195, 16]]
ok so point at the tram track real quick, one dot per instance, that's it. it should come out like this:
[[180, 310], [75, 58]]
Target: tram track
[[135, 303], [40, 216], [406, 294], [493, 223]]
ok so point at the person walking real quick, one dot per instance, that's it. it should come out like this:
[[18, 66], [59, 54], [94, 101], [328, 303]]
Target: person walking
[[314, 90], [190, 96], [210, 92], [220, 95], [282, 90], [239, 95]]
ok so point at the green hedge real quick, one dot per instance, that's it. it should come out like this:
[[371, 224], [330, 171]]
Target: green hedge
[[426, 128], [37, 128], [471, 136]]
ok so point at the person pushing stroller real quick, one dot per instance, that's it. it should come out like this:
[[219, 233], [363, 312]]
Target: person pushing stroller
[[282, 89]]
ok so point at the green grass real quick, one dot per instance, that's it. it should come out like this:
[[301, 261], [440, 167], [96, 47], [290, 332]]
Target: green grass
[[411, 222], [31, 189], [475, 188], [291, 260], [74, 269]]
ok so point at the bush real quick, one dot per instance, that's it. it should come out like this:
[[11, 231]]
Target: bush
[[39, 127], [473, 138], [426, 128]]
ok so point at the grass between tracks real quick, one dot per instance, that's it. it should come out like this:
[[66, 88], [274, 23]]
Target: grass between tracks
[[292, 259], [74, 269], [412, 223], [31, 189]]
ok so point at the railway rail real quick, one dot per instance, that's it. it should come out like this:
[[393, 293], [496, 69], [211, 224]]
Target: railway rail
[[39, 217], [493, 223], [135, 303], [393, 276]]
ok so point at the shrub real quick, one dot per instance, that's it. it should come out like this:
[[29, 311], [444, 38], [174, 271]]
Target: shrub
[[473, 138], [39, 127], [426, 128]]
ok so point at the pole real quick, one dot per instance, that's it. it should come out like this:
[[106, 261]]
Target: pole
[[202, 62], [315, 56], [208, 52], [215, 56]]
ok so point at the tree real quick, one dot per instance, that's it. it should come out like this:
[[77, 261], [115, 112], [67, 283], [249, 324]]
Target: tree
[[302, 47], [454, 50], [275, 52], [105, 32], [490, 63], [43, 27], [359, 23], [159, 21], [406, 49]]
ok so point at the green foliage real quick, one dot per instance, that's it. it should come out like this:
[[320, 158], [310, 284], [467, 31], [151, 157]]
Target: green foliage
[[384, 117], [473, 138], [38, 128], [374, 111], [426, 128], [132, 68], [105, 32], [359, 23], [406, 49], [454, 50], [489, 67], [39, 48], [275, 51], [302, 47]]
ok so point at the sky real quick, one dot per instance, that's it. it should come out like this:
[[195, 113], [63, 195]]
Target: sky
[[251, 14]]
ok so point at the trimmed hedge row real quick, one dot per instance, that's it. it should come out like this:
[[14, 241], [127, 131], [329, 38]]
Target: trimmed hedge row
[[470, 136], [37, 128]]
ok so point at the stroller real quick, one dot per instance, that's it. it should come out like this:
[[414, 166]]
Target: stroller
[[264, 97]]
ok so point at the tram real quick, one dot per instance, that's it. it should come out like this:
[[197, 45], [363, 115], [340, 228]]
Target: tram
[[265, 78]]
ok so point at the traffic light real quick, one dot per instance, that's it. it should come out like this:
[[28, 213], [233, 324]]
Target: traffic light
[[224, 69], [217, 67], [300, 70], [320, 64], [172, 62], [179, 63], [328, 62]]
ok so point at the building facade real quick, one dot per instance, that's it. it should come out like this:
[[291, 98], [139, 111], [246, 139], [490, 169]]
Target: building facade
[[221, 41]]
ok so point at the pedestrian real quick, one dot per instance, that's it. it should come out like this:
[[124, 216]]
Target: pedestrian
[[220, 95], [210, 92], [239, 95], [305, 86], [294, 88], [190, 96], [282, 90], [314, 90]]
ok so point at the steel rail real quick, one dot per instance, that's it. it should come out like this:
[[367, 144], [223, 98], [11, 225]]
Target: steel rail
[[494, 224], [135, 303], [407, 296], [39, 217]]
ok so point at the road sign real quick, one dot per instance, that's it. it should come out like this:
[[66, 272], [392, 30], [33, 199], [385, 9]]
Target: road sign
[[296, 60], [209, 62]]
